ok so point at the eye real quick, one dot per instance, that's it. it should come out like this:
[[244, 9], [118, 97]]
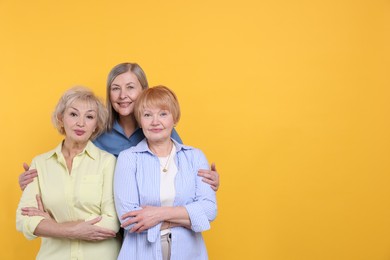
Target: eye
[[130, 87], [115, 88], [146, 115], [164, 114], [90, 117], [72, 114]]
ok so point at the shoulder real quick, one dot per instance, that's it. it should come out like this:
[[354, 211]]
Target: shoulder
[[189, 150], [141, 147], [47, 155], [99, 153]]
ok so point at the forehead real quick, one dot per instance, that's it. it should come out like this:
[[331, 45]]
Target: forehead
[[155, 107], [126, 77], [82, 105]]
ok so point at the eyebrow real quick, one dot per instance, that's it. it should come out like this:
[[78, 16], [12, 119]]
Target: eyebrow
[[128, 83], [91, 110]]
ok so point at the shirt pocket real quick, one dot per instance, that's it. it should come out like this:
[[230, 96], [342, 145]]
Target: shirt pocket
[[91, 187]]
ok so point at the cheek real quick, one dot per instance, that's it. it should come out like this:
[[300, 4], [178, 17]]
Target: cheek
[[113, 97], [134, 94], [143, 123]]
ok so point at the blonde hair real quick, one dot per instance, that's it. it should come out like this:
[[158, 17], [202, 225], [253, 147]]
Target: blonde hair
[[85, 95], [158, 96]]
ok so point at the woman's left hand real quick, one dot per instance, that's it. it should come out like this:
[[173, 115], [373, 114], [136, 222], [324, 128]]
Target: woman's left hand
[[143, 219], [40, 211], [210, 176]]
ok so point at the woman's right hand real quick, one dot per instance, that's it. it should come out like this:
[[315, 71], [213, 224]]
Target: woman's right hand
[[27, 177], [87, 230]]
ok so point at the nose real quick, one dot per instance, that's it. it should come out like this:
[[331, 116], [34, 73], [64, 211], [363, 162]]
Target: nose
[[80, 121], [155, 120], [123, 94]]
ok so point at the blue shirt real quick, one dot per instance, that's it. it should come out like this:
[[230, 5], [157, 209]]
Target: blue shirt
[[137, 183], [116, 140]]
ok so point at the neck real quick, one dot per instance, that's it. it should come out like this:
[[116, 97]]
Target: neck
[[70, 149], [161, 149], [128, 123]]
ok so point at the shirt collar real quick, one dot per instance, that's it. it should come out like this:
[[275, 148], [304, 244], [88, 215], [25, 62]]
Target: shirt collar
[[117, 127], [90, 149], [143, 146]]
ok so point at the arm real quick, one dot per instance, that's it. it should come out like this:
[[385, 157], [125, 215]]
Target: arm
[[107, 212], [150, 216], [203, 209], [195, 215], [210, 176], [48, 227], [27, 176], [28, 224], [83, 230], [34, 221], [125, 186]]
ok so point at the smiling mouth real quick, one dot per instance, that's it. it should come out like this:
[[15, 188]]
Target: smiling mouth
[[124, 104]]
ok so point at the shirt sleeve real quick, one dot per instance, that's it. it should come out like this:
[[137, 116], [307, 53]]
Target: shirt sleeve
[[125, 185], [203, 209], [108, 212], [27, 224]]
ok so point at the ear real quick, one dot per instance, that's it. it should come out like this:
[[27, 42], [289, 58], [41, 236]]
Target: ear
[[59, 118]]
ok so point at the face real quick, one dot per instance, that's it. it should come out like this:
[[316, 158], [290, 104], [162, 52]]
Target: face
[[124, 91], [80, 121], [157, 124]]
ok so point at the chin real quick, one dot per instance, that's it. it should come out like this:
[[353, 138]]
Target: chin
[[124, 112]]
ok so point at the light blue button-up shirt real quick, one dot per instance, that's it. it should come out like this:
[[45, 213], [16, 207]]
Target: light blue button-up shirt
[[116, 140], [137, 183]]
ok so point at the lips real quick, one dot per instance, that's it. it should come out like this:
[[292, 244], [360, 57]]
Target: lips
[[155, 130], [79, 132], [124, 104]]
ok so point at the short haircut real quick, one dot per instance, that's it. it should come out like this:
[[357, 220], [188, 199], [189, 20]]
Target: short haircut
[[159, 97], [85, 95], [115, 72]]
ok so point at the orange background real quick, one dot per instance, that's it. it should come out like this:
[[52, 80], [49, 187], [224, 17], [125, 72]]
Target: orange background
[[289, 98]]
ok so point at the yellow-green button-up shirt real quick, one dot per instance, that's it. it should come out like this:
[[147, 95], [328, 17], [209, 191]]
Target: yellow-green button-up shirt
[[84, 194]]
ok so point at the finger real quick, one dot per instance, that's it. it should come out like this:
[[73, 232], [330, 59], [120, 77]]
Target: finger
[[39, 201], [205, 174], [203, 171], [94, 221], [208, 181], [27, 181], [31, 212], [213, 168], [129, 222], [25, 166], [106, 232], [29, 208], [143, 228], [130, 214], [102, 236], [31, 173], [136, 228]]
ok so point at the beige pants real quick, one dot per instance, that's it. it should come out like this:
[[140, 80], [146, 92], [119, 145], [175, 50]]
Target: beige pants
[[166, 246]]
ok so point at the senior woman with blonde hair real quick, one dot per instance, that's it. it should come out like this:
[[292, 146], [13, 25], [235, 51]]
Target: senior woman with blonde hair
[[162, 202], [70, 204]]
